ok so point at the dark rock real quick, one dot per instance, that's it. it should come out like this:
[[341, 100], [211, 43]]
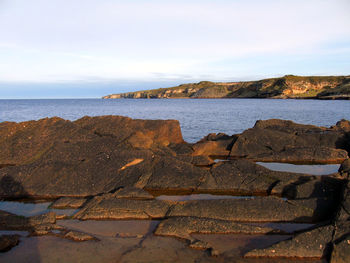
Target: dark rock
[[312, 244], [133, 193], [341, 251], [201, 160], [110, 206], [243, 177], [258, 209], [8, 241], [140, 133], [87, 157], [286, 141], [183, 227], [170, 174], [216, 145], [68, 202]]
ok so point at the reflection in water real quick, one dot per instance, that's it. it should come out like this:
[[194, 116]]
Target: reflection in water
[[314, 169], [199, 197], [112, 228]]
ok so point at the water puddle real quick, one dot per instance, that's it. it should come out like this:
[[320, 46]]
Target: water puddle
[[13, 232], [199, 197], [115, 228], [33, 209], [313, 169]]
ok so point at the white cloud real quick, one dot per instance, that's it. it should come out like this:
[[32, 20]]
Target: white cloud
[[132, 39]]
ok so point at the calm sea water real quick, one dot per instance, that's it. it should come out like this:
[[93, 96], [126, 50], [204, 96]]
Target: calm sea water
[[197, 117]]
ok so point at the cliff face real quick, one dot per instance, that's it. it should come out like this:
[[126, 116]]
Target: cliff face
[[325, 87]]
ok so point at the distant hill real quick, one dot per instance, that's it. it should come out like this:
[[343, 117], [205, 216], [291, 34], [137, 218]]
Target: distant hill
[[289, 86]]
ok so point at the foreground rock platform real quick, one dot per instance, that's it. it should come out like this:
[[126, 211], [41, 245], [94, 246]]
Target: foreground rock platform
[[112, 169]]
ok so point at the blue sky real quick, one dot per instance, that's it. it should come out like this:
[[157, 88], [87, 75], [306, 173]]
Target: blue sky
[[90, 48]]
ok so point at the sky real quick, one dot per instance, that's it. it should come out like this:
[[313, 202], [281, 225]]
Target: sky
[[91, 48]]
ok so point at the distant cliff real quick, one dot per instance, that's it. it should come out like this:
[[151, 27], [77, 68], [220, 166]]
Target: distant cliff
[[289, 86]]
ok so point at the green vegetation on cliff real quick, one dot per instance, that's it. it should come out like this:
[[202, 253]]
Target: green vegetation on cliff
[[289, 86]]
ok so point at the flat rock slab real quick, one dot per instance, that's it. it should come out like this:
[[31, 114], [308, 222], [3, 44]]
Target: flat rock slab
[[183, 227], [68, 202], [171, 174], [258, 209], [311, 244], [244, 177], [130, 192], [110, 207]]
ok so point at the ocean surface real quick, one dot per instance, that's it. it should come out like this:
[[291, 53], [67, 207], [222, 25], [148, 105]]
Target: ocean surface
[[197, 117]]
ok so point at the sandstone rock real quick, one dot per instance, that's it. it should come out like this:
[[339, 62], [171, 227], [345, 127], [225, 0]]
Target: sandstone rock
[[78, 236], [312, 244], [170, 174], [133, 193], [8, 241], [90, 156], [279, 140], [68, 202], [258, 209], [341, 251], [201, 160], [111, 207], [159, 132], [216, 145], [183, 227], [243, 177]]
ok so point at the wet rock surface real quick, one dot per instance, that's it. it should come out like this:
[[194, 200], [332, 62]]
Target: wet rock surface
[[117, 172]]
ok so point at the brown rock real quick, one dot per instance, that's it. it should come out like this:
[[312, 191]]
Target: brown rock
[[78, 236], [68, 202], [8, 241], [279, 140], [312, 244], [183, 227], [216, 145], [133, 193], [258, 209], [111, 207], [90, 156]]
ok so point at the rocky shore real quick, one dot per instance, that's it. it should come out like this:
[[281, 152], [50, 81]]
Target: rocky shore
[[287, 87], [127, 174]]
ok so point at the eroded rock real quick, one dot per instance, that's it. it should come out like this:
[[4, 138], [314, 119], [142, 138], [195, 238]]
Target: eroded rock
[[312, 244], [183, 227], [258, 209], [286, 141], [112, 207]]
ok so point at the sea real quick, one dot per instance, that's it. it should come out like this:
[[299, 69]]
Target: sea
[[197, 117]]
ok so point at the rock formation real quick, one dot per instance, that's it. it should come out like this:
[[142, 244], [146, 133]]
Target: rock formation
[[113, 168], [289, 86]]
